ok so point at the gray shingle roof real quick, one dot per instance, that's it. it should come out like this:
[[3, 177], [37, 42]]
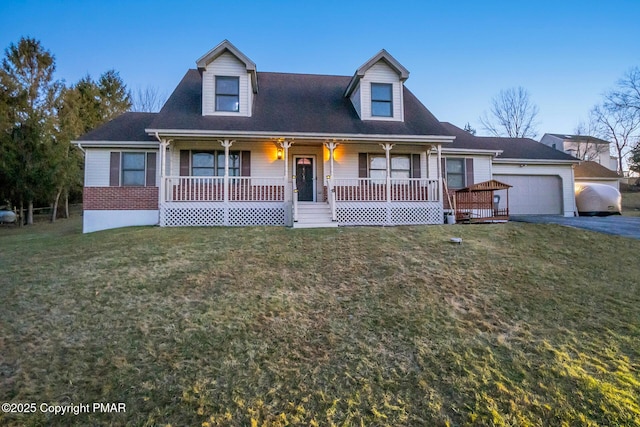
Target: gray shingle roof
[[579, 138], [593, 170], [512, 148], [302, 103], [126, 127]]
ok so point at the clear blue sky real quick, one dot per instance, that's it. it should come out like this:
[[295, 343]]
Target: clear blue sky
[[460, 53]]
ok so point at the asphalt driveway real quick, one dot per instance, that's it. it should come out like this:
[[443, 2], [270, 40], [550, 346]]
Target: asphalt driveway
[[618, 225]]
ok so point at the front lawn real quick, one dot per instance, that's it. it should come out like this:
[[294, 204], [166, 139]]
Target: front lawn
[[520, 325]]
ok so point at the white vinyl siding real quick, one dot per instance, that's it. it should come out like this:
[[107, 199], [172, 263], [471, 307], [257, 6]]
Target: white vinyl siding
[[264, 163], [481, 169], [563, 172], [345, 164], [355, 100], [226, 65], [97, 167], [381, 73]]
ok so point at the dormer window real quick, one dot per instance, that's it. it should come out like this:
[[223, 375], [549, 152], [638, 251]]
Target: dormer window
[[227, 93], [381, 99]]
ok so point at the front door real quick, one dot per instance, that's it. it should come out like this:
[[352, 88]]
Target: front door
[[304, 178]]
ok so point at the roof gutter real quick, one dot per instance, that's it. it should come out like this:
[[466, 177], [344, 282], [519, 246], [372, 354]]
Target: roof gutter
[[502, 160], [450, 150], [115, 144], [301, 135]]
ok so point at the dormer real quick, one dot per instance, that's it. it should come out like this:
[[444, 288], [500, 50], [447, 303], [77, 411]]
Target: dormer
[[229, 81], [376, 89]]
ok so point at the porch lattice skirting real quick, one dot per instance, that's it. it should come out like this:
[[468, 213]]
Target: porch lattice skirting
[[180, 214], [383, 213]]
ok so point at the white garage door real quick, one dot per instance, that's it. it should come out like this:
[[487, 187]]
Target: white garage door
[[533, 195]]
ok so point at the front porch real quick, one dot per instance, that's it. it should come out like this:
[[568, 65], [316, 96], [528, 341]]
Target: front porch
[[240, 201], [190, 200]]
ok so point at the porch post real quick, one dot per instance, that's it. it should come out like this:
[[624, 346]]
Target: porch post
[[285, 147], [226, 144], [163, 168], [387, 148], [331, 146], [440, 177]]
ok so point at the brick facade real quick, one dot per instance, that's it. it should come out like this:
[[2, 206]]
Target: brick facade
[[120, 198]]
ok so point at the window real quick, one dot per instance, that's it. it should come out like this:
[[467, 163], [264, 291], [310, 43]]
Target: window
[[455, 173], [202, 164], [227, 93], [211, 163], [133, 171], [381, 104], [400, 166]]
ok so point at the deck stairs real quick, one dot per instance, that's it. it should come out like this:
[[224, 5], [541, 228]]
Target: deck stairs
[[314, 215]]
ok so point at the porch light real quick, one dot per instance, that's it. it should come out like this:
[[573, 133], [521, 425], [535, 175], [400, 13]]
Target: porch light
[[279, 153]]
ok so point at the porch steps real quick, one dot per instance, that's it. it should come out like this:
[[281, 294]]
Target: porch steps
[[314, 215]]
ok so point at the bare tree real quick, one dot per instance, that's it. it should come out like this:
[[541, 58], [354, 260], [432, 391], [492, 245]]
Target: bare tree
[[619, 125], [627, 91], [588, 148], [148, 100], [512, 114]]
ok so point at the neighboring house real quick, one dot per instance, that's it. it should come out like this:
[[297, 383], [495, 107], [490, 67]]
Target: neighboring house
[[234, 146], [542, 178], [583, 147], [592, 172]]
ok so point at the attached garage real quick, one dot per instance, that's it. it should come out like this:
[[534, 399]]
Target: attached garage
[[541, 177], [534, 194]]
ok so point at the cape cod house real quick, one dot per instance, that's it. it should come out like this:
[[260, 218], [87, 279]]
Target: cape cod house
[[234, 146]]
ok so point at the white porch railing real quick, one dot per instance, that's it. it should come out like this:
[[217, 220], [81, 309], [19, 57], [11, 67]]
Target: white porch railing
[[194, 189], [414, 190], [246, 189], [375, 189], [212, 189]]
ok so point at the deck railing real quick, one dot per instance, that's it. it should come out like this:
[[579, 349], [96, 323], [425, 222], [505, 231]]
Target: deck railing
[[375, 190], [212, 189]]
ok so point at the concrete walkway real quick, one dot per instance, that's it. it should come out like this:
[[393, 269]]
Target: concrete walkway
[[626, 226]]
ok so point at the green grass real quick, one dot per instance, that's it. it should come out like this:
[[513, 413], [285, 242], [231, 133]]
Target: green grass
[[631, 203], [521, 325]]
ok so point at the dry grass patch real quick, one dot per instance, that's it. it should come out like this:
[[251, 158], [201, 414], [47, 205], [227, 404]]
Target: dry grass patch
[[520, 325]]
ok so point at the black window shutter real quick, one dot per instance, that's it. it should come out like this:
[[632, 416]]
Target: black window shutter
[[184, 162], [114, 169], [362, 165], [443, 167], [468, 172], [415, 166], [245, 158], [151, 169]]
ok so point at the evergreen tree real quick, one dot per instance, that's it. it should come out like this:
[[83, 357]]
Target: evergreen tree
[[29, 102], [114, 97]]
